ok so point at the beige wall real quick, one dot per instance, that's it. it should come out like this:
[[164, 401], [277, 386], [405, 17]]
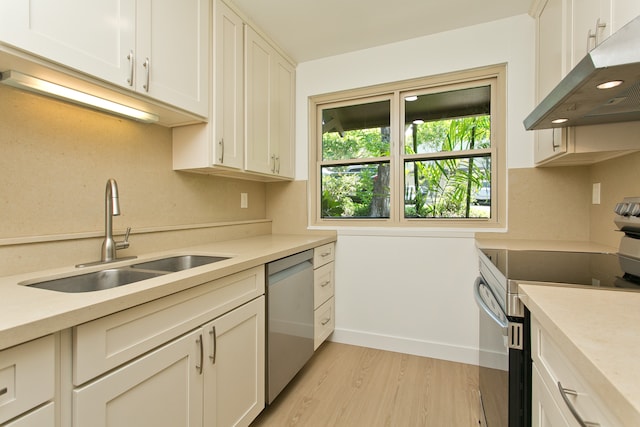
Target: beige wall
[[56, 159], [554, 203], [618, 178]]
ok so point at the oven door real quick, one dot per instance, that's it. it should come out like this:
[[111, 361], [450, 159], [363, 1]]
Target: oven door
[[493, 358]]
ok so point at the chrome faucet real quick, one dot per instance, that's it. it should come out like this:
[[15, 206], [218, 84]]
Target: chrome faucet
[[109, 245], [111, 209]]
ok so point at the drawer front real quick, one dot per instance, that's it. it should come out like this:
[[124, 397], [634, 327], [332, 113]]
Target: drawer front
[[108, 342], [323, 284], [324, 323], [27, 376], [323, 254], [554, 367], [41, 417]]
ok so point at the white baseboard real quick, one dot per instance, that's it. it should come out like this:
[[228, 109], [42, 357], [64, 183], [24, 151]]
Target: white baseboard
[[434, 350]]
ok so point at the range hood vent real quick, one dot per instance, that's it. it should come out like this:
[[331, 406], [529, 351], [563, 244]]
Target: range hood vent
[[577, 97]]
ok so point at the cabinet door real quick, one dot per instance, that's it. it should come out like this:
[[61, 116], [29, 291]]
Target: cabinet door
[[270, 85], [551, 63], [93, 37], [162, 388], [623, 12], [260, 156], [544, 410], [172, 53], [235, 368], [229, 87], [590, 25], [283, 116]]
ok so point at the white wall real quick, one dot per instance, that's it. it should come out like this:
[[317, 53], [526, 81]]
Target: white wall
[[410, 290]]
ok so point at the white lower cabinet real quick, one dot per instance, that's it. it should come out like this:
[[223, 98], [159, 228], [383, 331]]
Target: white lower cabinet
[[561, 395], [212, 376], [163, 388], [545, 412], [27, 380], [234, 366]]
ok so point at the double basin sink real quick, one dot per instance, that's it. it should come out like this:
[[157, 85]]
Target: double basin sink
[[118, 276]]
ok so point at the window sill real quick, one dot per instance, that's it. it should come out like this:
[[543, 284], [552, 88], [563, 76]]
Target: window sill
[[467, 233]]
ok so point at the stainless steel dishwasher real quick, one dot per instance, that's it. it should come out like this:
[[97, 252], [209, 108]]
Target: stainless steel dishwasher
[[289, 319]]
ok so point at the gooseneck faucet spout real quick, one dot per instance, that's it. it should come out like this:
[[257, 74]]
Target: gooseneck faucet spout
[[109, 245], [111, 209]]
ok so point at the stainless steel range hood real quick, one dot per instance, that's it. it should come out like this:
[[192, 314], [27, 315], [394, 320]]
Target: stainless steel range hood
[[577, 97]]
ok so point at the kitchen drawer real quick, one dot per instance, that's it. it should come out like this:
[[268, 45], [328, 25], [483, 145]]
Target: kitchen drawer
[[323, 254], [44, 416], [323, 280], [555, 368], [27, 376], [324, 322], [108, 342]]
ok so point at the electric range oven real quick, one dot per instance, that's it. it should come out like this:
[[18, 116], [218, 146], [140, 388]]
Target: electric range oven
[[504, 344]]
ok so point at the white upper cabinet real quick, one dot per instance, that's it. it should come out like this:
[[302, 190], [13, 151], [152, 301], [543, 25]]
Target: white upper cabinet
[[219, 143], [590, 25], [159, 49], [172, 54], [565, 31], [250, 133], [270, 81], [93, 37]]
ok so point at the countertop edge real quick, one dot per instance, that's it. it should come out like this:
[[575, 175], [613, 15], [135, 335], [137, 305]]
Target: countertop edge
[[63, 310]]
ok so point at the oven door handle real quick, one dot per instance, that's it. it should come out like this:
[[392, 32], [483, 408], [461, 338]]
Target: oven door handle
[[483, 305]]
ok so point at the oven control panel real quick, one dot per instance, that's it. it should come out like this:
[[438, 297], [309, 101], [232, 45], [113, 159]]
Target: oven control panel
[[628, 214]]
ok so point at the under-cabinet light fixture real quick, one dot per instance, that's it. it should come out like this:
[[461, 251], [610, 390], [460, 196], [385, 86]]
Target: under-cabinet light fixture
[[43, 87]]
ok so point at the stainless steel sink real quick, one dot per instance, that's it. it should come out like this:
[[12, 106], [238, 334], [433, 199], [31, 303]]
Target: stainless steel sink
[[113, 277], [96, 281], [178, 263]]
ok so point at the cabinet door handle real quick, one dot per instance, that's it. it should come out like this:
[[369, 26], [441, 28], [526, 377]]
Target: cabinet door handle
[[567, 391], [600, 26], [3, 390], [147, 66], [322, 285], [221, 144], [278, 169], [325, 321], [214, 337], [553, 140], [325, 254], [591, 37], [273, 163], [199, 342], [132, 65]]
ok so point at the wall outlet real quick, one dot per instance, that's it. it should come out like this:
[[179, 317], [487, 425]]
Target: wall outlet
[[595, 194], [244, 200]]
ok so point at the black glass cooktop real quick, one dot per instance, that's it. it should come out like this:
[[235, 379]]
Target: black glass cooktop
[[581, 268]]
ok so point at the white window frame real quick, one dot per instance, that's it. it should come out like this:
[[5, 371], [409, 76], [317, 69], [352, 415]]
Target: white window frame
[[495, 76]]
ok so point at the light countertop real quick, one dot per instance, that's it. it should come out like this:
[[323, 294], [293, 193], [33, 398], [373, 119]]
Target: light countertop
[[29, 313], [544, 245], [599, 331]]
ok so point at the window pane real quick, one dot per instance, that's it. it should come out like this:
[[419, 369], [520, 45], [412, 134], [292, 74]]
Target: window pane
[[449, 188], [356, 131], [355, 191], [448, 121]]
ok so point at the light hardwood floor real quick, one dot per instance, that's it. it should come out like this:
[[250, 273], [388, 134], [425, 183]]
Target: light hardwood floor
[[344, 385]]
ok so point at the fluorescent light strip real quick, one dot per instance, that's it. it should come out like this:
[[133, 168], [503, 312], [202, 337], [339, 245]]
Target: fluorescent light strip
[[34, 84]]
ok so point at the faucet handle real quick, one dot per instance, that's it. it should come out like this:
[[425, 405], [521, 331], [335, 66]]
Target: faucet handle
[[125, 243]]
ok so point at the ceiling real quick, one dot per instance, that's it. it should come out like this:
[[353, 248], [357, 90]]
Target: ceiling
[[312, 29]]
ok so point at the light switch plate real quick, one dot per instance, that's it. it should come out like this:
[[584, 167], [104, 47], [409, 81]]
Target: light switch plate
[[595, 195], [244, 200]]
